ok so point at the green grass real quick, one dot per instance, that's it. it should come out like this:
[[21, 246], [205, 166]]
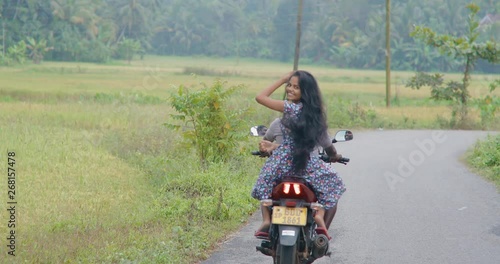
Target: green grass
[[68, 190], [100, 179], [96, 182], [485, 158]]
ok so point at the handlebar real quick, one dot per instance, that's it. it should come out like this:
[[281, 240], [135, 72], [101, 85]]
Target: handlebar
[[343, 160], [260, 154], [323, 157], [257, 153]]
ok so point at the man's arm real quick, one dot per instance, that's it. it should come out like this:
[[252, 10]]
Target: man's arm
[[273, 137], [273, 133], [267, 146]]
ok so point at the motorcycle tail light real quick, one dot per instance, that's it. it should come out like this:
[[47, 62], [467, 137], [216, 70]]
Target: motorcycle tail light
[[316, 206], [290, 203], [287, 188], [296, 188], [266, 202], [293, 190]]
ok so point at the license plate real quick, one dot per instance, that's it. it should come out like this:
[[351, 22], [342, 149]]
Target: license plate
[[289, 215]]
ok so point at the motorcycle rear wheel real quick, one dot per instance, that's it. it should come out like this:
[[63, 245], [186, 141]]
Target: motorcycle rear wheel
[[286, 255]]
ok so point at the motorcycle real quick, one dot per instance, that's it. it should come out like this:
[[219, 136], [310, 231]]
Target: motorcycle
[[292, 235]]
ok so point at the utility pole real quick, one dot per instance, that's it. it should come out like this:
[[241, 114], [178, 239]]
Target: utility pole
[[3, 38], [297, 36], [388, 53], [297, 40]]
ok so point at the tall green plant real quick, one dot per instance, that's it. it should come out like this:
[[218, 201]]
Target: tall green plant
[[466, 48], [127, 48], [489, 105], [209, 124], [17, 53], [37, 49]]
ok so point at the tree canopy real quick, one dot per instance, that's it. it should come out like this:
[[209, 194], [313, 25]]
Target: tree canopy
[[343, 33]]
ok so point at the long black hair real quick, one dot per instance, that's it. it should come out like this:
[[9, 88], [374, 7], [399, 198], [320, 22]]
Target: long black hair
[[310, 127]]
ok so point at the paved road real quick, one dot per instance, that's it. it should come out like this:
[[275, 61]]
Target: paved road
[[409, 200]]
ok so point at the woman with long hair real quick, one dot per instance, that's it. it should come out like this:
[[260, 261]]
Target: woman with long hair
[[303, 126]]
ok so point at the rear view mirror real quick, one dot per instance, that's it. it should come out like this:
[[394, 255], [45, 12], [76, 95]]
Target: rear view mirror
[[343, 135], [258, 131]]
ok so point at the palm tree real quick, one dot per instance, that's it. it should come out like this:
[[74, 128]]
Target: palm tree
[[80, 14], [185, 27], [134, 18], [37, 49]]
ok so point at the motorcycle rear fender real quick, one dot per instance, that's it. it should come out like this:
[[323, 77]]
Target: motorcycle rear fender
[[288, 234]]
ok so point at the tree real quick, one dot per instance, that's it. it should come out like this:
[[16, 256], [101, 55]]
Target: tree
[[89, 30], [37, 49], [17, 53], [134, 19], [466, 48], [284, 30], [80, 14], [75, 29], [182, 27], [127, 48]]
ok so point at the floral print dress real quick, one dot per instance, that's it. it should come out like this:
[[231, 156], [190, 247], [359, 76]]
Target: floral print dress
[[327, 185]]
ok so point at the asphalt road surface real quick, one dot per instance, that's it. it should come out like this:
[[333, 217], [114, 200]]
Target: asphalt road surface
[[409, 200]]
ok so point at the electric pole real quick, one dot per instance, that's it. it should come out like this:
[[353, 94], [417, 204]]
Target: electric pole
[[297, 36], [3, 38], [297, 40], [388, 53]]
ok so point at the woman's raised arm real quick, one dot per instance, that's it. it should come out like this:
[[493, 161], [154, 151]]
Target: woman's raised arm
[[264, 98]]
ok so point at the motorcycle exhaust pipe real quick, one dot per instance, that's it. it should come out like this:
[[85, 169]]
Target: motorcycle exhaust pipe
[[265, 251], [320, 246]]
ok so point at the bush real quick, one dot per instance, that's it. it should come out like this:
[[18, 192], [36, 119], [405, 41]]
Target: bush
[[127, 48], [486, 157], [208, 125], [344, 113], [489, 106], [15, 54]]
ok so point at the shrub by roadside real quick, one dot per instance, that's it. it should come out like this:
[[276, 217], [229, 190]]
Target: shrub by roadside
[[485, 157]]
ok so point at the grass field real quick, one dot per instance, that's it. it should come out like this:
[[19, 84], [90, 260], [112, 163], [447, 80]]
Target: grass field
[[100, 179]]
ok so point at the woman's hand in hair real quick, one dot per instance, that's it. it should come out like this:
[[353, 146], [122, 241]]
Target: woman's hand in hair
[[287, 77], [264, 97]]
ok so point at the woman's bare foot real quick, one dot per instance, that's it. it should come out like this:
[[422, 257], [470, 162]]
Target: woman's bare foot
[[319, 218], [263, 230]]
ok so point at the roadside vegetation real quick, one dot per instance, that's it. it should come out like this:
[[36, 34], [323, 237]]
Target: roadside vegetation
[[469, 51], [127, 157], [123, 156], [485, 158], [102, 179]]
